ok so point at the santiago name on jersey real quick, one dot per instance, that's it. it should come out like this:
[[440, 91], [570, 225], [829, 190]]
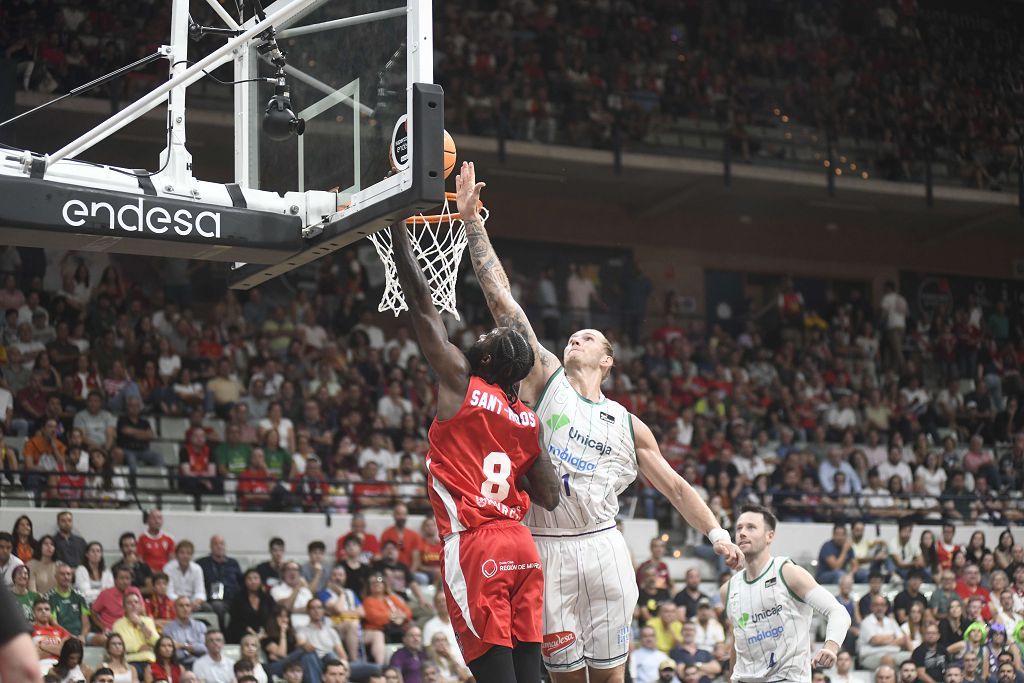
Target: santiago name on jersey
[[592, 448]]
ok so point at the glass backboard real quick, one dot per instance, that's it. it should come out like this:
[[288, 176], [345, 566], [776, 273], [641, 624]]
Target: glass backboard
[[349, 70]]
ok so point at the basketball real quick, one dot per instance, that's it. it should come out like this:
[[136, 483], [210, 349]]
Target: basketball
[[450, 155]]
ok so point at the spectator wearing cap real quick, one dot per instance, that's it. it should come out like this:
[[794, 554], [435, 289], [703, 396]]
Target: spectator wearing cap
[[667, 674], [646, 660], [687, 653], [709, 629]]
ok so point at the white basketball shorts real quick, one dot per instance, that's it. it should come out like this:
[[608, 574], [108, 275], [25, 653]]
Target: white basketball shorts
[[589, 594]]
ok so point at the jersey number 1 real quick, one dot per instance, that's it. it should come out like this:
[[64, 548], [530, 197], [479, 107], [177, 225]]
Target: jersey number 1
[[497, 468]]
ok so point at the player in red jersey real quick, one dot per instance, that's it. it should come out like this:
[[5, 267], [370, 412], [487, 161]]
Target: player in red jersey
[[482, 471]]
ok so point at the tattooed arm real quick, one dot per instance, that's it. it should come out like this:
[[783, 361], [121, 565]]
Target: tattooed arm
[[494, 283]]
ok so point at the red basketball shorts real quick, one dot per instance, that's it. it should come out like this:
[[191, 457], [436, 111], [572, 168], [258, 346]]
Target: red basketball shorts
[[494, 588]]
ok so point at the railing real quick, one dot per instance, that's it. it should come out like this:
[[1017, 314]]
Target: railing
[[799, 505]]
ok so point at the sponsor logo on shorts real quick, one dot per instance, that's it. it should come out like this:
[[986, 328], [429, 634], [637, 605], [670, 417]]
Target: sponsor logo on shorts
[[570, 459], [765, 635], [747, 618], [489, 568], [556, 642], [625, 634]]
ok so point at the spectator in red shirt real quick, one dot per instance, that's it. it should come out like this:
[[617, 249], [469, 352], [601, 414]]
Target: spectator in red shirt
[[154, 547], [159, 606], [255, 483], [310, 489], [946, 548], [109, 606], [197, 471], [407, 540], [48, 638], [655, 562], [970, 586], [369, 542], [426, 561], [370, 492]]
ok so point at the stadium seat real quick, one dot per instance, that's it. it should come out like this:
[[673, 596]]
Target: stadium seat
[[173, 428], [168, 450], [152, 477], [216, 425], [177, 501], [232, 652], [390, 649], [16, 442], [93, 656]]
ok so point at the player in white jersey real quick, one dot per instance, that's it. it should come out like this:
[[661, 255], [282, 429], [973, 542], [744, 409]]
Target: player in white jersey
[[770, 605], [597, 447]]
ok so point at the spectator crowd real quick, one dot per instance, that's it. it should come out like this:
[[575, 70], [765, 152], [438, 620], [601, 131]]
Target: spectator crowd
[[907, 81], [368, 610], [932, 611], [300, 401]]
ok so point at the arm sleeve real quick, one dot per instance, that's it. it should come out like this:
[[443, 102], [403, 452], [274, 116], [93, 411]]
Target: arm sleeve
[[837, 619], [12, 621]]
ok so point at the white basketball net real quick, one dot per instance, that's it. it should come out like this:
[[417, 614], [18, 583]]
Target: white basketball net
[[438, 248]]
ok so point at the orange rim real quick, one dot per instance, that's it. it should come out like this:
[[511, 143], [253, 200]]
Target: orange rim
[[429, 218]]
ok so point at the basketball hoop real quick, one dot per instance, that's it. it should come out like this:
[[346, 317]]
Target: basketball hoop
[[438, 241]]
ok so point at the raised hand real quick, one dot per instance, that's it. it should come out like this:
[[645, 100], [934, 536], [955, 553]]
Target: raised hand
[[467, 191]]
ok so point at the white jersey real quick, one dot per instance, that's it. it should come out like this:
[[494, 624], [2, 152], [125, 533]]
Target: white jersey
[[771, 627], [592, 448]]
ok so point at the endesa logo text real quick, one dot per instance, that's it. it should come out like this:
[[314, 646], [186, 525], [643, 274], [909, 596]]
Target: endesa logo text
[[137, 217]]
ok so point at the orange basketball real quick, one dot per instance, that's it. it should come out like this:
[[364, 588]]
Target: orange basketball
[[449, 154]]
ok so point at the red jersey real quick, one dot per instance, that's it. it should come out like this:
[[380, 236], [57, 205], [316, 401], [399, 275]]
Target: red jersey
[[476, 458], [155, 551], [407, 540], [48, 635], [160, 608]]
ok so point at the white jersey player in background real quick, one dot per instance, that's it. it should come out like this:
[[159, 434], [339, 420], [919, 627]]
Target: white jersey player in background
[[770, 605], [597, 447]]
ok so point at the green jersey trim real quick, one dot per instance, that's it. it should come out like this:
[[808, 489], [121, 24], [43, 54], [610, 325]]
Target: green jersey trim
[[547, 385], [781, 576], [761, 576]]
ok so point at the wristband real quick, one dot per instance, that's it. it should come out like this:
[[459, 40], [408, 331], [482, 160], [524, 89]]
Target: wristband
[[718, 534]]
